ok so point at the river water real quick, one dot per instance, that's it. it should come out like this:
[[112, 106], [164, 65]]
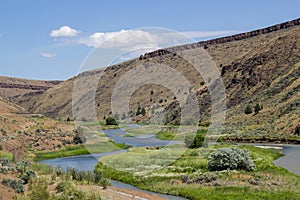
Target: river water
[[291, 160]]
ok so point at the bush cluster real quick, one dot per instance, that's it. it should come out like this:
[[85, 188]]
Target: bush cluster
[[27, 176], [88, 176], [68, 191], [22, 166], [230, 159], [202, 179], [81, 175], [4, 162], [111, 121], [38, 188], [17, 186]]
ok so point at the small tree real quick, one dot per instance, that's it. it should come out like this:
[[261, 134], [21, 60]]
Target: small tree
[[79, 137], [139, 110], [111, 121], [196, 141], [248, 110], [17, 186], [143, 111], [297, 130], [188, 140], [257, 108], [27, 176]]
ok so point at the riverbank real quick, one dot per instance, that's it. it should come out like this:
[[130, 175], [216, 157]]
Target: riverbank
[[266, 182], [87, 163], [80, 150], [262, 139], [169, 132]]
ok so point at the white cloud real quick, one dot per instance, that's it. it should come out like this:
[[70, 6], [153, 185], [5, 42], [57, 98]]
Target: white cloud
[[133, 40], [64, 31], [48, 55], [124, 40], [140, 39], [203, 34]]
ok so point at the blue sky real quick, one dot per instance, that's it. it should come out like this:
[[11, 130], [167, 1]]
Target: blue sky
[[33, 44]]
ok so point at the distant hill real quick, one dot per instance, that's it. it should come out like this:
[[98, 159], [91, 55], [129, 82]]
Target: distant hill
[[10, 87], [259, 67]]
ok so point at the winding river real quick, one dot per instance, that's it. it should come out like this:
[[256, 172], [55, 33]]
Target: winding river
[[290, 161], [88, 162]]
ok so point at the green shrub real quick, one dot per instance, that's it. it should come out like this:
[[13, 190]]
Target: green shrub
[[27, 176], [4, 161], [202, 179], [81, 175], [196, 141], [17, 186], [38, 188], [104, 182], [3, 170], [58, 171], [140, 111], [69, 192], [230, 159], [248, 110], [93, 196], [257, 108], [79, 138], [22, 166], [63, 186], [297, 130], [111, 121], [53, 178]]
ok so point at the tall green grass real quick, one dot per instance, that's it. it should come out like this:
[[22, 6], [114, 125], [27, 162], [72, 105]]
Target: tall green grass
[[80, 150], [7, 155]]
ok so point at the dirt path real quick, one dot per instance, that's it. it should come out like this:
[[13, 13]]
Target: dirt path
[[113, 193]]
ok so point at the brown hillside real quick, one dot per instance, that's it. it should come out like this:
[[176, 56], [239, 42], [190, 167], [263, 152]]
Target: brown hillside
[[259, 67], [10, 87], [20, 132]]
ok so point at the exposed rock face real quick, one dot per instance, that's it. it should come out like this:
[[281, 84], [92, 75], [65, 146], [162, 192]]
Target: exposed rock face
[[10, 87], [236, 37], [28, 87]]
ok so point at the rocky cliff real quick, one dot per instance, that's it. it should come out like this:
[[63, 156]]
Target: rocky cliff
[[222, 40]]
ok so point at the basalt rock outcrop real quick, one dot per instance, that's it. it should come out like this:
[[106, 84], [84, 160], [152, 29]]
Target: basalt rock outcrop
[[222, 40]]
